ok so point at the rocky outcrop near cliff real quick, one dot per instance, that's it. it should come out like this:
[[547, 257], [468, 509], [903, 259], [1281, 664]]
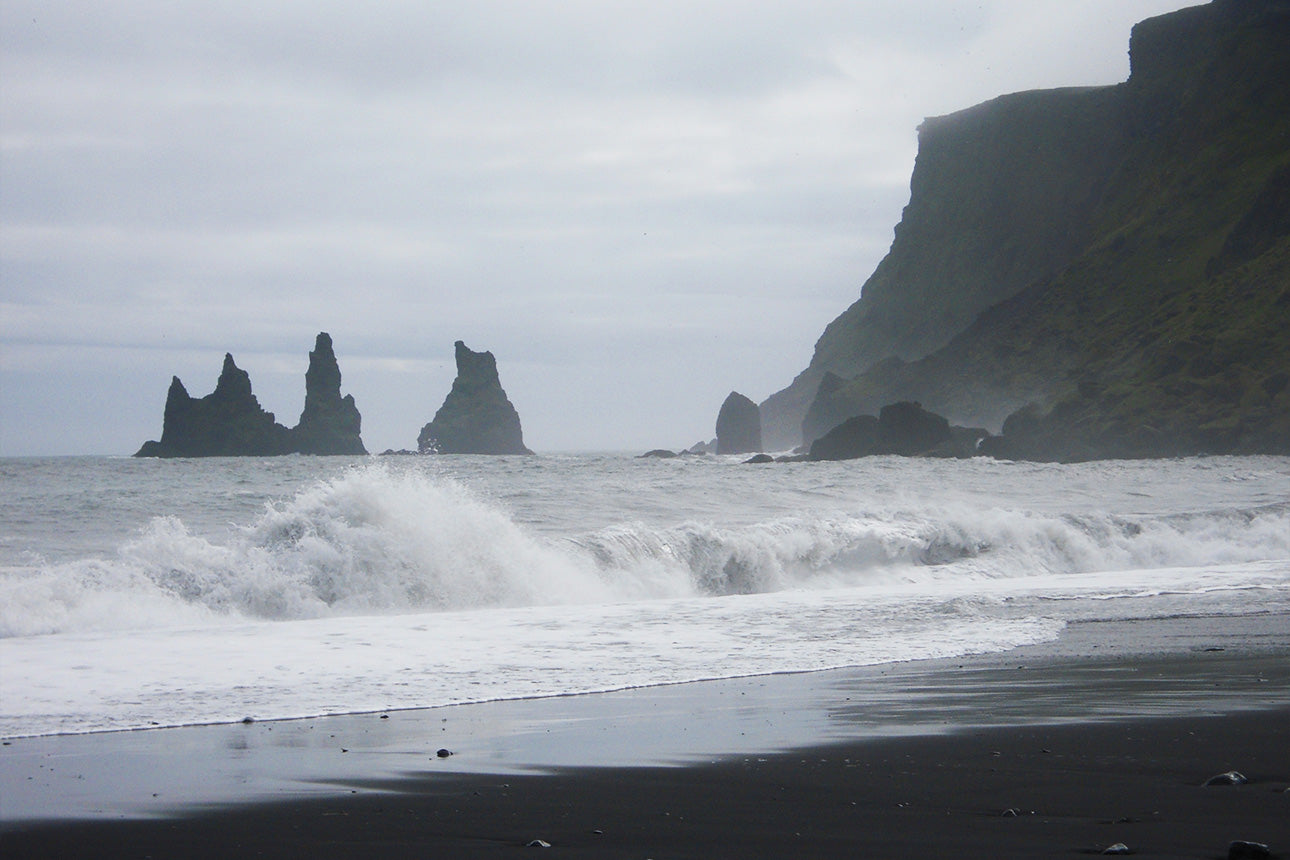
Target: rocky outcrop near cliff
[[738, 426], [329, 424], [229, 422], [476, 416], [1118, 257]]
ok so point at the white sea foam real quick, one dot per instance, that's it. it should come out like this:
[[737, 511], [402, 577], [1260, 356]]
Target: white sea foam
[[373, 541], [299, 587]]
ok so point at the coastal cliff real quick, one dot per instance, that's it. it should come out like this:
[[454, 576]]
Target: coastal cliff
[[476, 417], [1113, 260], [229, 422]]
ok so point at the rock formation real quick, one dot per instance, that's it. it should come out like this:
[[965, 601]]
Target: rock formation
[[738, 426], [329, 423], [229, 422], [853, 438], [907, 428], [1119, 257], [902, 428], [476, 417]]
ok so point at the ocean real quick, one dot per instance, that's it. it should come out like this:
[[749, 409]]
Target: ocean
[[140, 593]]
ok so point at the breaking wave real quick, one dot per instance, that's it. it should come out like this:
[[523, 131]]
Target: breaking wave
[[372, 541]]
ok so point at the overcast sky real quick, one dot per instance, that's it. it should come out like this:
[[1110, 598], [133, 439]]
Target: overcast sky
[[637, 207]]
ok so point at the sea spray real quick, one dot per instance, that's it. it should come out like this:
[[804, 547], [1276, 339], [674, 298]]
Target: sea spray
[[192, 591], [376, 540]]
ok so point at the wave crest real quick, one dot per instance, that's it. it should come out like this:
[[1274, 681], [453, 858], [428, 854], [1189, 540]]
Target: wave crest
[[373, 541]]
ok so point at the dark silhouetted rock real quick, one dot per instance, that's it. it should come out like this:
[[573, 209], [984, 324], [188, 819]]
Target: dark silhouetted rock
[[855, 437], [738, 426], [657, 454], [964, 442], [329, 424], [757, 459], [228, 422], [476, 417], [702, 448], [900, 428], [907, 428]]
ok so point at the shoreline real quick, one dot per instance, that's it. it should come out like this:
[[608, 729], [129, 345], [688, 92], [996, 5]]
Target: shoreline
[[1111, 715]]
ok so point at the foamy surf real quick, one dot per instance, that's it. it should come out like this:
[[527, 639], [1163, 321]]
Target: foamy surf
[[379, 586]]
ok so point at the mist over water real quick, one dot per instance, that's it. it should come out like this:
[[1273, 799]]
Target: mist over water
[[498, 577]]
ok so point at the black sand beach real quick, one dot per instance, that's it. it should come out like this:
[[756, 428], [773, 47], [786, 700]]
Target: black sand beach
[[1061, 750]]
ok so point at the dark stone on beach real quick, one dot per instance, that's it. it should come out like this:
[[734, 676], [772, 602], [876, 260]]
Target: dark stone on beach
[[476, 417], [248, 720], [1232, 777], [657, 454], [1241, 850], [329, 424], [444, 753], [738, 426], [759, 458]]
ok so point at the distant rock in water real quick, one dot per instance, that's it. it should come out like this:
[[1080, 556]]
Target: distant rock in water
[[329, 424], [853, 438], [902, 428], [476, 417], [908, 429], [229, 422], [738, 426]]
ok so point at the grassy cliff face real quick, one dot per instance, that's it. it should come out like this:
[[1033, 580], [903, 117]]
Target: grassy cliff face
[[1137, 286]]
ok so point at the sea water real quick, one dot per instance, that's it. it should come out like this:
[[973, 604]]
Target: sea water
[[138, 593]]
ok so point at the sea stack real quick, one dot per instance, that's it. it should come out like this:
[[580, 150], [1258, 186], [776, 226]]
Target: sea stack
[[738, 426], [476, 417], [329, 424], [228, 422]]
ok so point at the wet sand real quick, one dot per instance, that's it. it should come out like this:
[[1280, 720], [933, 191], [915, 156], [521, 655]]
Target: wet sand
[[1104, 736]]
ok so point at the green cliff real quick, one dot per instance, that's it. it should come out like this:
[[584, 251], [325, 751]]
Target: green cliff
[[1117, 256]]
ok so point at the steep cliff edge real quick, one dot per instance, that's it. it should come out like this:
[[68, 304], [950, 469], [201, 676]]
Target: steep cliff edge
[[476, 417], [1121, 247]]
